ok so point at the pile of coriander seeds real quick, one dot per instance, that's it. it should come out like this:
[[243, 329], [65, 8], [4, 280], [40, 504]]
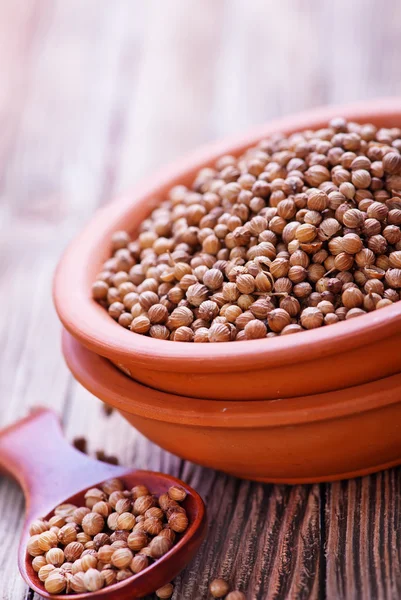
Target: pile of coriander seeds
[[117, 534], [297, 233]]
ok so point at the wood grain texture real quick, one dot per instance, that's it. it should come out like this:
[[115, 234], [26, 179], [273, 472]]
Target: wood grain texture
[[94, 95], [363, 537]]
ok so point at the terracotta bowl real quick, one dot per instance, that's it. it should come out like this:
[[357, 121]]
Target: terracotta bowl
[[346, 354], [298, 440]]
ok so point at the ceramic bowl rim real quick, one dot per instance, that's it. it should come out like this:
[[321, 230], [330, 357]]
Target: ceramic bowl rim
[[105, 381]]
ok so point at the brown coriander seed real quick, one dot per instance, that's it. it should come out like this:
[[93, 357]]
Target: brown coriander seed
[[38, 562], [158, 314], [108, 576], [392, 163], [112, 521], [79, 514], [94, 495], [384, 302], [59, 518], [213, 279], [77, 583], [155, 512], [219, 332], [55, 583], [168, 533], [152, 526], [352, 298], [105, 553], [245, 283], [305, 233], [177, 493], [112, 485], [159, 332], [45, 571], [196, 294], [73, 551], [125, 521], [145, 552], [123, 505], [354, 312], [102, 508], [142, 504], [178, 522], [219, 588], [165, 592], [255, 329], [121, 558], [120, 239], [139, 563], [125, 320], [123, 574], [93, 580], [137, 540], [159, 546], [115, 497], [55, 556], [37, 527], [76, 567], [89, 561], [83, 538], [183, 334], [140, 324], [353, 218], [92, 523], [175, 508], [351, 243], [119, 535], [393, 279], [116, 309], [311, 318], [67, 534], [292, 328], [180, 317], [33, 547], [277, 319], [138, 491], [317, 200], [47, 540]]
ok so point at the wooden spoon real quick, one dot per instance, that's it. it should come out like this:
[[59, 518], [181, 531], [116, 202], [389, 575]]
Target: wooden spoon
[[51, 472]]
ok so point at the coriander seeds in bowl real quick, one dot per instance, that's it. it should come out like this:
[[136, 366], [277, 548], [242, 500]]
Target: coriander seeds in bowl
[[317, 254], [299, 232]]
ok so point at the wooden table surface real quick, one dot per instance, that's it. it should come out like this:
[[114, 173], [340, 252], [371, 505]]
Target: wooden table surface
[[93, 95]]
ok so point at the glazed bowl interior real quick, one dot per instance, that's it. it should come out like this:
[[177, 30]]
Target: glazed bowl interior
[[345, 354], [296, 440]]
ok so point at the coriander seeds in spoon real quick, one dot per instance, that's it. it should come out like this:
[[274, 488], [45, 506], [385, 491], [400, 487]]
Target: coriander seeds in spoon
[[94, 530]]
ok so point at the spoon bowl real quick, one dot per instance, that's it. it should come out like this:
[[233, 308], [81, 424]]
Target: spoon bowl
[[51, 472]]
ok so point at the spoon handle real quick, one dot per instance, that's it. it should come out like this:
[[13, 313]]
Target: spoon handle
[[34, 452]]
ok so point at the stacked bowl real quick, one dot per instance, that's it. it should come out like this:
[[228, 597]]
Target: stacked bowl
[[322, 405]]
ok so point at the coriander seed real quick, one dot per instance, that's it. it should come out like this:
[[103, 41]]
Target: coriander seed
[[121, 558], [93, 580], [177, 493], [139, 563], [55, 556], [219, 588], [55, 583], [165, 592]]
